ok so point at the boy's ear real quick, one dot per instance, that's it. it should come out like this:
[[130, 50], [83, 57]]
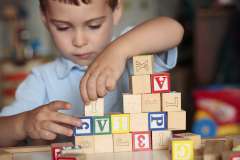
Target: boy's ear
[[117, 13], [43, 18]]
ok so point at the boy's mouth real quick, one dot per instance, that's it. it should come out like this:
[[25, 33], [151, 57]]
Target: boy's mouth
[[84, 56]]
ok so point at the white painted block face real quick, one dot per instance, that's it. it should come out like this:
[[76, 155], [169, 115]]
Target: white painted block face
[[141, 141], [86, 128]]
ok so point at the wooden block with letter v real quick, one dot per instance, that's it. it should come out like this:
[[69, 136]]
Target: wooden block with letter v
[[177, 120], [140, 84], [161, 139], [86, 143], [122, 142], [103, 143], [151, 103], [182, 149], [171, 101], [138, 122], [95, 108], [160, 82], [102, 125], [120, 123], [86, 127], [141, 141], [132, 103], [143, 64]]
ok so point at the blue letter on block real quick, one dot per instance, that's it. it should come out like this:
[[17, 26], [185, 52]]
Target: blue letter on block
[[86, 128], [157, 121]]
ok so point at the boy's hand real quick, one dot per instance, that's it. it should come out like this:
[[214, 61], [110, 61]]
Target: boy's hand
[[102, 75], [46, 122]]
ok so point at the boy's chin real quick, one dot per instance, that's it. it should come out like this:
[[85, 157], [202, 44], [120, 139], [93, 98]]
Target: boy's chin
[[83, 62]]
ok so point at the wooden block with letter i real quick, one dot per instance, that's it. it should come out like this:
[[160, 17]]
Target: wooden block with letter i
[[120, 123], [177, 120], [140, 84], [132, 103], [171, 101], [103, 143], [141, 141], [161, 139], [95, 108], [143, 64], [86, 143], [122, 142], [138, 122], [160, 83], [151, 103], [157, 121], [86, 127], [102, 125], [182, 149]]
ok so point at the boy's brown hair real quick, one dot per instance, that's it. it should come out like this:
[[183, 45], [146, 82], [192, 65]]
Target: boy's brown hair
[[43, 3]]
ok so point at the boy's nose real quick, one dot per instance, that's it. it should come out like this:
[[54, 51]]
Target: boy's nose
[[79, 39]]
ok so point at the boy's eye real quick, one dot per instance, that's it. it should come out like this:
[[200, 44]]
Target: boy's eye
[[95, 26], [62, 28]]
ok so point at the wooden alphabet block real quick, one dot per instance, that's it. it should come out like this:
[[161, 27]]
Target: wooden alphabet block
[[73, 150], [141, 141], [151, 103], [103, 143], [157, 121], [177, 120], [143, 65], [56, 149], [140, 84], [171, 101], [102, 125], [6, 156], [95, 108], [86, 128], [160, 82], [138, 122], [120, 123], [132, 103], [161, 139], [66, 158], [86, 143], [182, 149], [194, 137], [122, 142]]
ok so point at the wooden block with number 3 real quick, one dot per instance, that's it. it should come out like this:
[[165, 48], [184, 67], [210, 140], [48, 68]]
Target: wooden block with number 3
[[143, 64], [160, 82], [95, 108], [141, 141]]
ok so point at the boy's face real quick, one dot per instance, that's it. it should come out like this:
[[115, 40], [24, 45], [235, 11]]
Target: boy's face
[[81, 32]]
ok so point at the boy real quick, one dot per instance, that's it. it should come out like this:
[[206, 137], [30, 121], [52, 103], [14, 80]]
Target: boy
[[82, 31]]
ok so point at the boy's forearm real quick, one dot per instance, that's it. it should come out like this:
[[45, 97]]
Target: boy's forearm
[[12, 130], [150, 37]]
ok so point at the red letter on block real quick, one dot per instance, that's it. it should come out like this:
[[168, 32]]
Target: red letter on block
[[160, 82], [141, 141]]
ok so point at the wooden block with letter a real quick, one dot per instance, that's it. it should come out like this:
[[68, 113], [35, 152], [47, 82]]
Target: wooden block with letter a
[[151, 103], [161, 139], [143, 64], [138, 122], [177, 120], [5, 155], [140, 84], [171, 101], [95, 108], [132, 103], [86, 128], [86, 143], [120, 123], [157, 121], [141, 141], [122, 142], [182, 149], [102, 125], [103, 143], [160, 82]]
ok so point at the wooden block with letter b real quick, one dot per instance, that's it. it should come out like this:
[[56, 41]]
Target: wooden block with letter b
[[132, 103], [177, 120], [120, 123], [182, 149], [138, 122], [160, 82], [122, 142], [103, 143], [171, 101], [140, 84], [141, 141], [86, 143], [151, 103], [95, 108], [143, 64]]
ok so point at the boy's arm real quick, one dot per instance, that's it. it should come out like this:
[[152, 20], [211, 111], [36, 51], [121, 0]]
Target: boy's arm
[[152, 36]]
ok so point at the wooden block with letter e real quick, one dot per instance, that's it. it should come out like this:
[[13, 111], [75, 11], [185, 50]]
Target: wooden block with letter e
[[157, 121], [95, 108], [132, 103], [103, 143], [182, 149], [138, 122], [171, 101], [161, 139], [177, 120], [120, 123], [141, 141], [160, 82], [194, 137], [151, 103], [102, 125], [143, 65], [5, 155], [86, 127], [122, 142], [140, 84], [86, 143]]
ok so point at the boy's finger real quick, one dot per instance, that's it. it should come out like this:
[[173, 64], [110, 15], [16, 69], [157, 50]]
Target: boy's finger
[[110, 83], [92, 86], [66, 119], [101, 84], [56, 128], [46, 135], [83, 89], [59, 105]]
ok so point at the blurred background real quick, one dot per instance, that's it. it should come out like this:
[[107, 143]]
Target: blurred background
[[207, 73]]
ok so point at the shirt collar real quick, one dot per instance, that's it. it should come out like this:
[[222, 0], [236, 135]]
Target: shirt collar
[[65, 66]]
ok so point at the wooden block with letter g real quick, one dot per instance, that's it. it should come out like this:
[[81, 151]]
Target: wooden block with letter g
[[132, 103], [171, 101], [143, 64], [95, 108]]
